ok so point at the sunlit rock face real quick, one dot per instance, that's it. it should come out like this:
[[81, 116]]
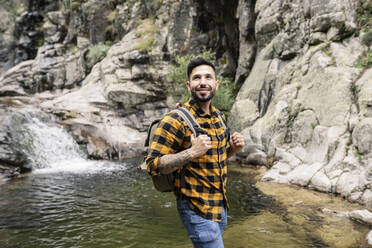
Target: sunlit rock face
[[110, 102], [305, 108]]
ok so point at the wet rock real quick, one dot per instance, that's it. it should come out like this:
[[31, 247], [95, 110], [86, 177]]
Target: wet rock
[[12, 160]]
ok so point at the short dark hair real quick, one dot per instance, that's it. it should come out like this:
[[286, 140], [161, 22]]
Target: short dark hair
[[196, 62]]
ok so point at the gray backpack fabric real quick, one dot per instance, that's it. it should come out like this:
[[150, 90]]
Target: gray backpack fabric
[[165, 182]]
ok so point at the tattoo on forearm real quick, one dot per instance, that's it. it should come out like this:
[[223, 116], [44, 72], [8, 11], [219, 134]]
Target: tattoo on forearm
[[171, 162]]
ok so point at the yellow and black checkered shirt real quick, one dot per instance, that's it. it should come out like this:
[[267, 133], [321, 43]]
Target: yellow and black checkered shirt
[[204, 178]]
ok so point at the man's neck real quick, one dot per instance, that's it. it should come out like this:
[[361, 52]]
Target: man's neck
[[205, 106]]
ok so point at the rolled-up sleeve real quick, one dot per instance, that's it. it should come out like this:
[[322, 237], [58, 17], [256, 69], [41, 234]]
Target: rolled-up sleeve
[[168, 139]]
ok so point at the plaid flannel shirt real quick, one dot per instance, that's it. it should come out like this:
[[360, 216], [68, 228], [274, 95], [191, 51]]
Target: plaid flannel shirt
[[204, 178]]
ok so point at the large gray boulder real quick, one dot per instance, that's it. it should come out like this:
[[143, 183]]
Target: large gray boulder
[[305, 107]]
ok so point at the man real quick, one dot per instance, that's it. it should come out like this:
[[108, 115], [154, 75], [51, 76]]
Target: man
[[199, 162]]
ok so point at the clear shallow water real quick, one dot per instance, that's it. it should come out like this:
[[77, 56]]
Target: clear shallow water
[[118, 207]]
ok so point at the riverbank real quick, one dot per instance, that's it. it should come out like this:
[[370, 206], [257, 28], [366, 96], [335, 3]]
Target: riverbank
[[308, 214]]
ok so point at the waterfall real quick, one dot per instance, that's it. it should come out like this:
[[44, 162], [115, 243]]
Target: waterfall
[[49, 146]]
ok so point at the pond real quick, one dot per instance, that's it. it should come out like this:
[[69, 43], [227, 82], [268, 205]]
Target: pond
[[117, 206]]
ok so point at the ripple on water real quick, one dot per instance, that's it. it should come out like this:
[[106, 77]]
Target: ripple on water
[[120, 208]]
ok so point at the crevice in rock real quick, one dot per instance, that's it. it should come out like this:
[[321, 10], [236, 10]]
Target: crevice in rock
[[247, 38], [266, 94], [217, 29]]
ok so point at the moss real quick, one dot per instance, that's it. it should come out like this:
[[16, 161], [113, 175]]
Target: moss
[[358, 154], [271, 161], [327, 50]]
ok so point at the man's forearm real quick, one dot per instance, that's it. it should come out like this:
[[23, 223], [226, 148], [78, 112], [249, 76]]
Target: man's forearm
[[171, 162]]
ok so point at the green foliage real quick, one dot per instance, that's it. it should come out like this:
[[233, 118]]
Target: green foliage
[[146, 34], [96, 53], [145, 45], [366, 60], [76, 4], [367, 38], [40, 41], [157, 4], [224, 97], [358, 154], [327, 50], [11, 7], [364, 16]]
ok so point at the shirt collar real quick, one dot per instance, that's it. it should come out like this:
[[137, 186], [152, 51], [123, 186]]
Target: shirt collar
[[192, 103]]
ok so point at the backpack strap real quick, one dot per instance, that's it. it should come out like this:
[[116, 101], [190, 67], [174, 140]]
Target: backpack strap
[[222, 121], [190, 120]]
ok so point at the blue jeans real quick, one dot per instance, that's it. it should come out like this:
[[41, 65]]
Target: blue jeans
[[202, 232]]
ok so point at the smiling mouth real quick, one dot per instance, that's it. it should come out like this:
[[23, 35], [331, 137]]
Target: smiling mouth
[[203, 89]]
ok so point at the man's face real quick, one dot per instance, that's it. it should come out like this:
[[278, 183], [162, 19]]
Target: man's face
[[203, 83]]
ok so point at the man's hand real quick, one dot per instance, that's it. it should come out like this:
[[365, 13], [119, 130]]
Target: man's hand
[[200, 145], [171, 162], [236, 144]]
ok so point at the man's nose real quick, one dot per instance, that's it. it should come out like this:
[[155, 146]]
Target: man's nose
[[203, 81]]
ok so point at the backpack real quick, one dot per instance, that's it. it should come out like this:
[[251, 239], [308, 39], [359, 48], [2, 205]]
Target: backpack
[[165, 182]]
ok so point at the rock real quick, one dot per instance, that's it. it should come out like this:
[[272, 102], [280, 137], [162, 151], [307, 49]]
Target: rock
[[369, 238], [321, 182], [244, 112], [303, 173], [364, 216], [17, 81], [362, 136], [363, 92]]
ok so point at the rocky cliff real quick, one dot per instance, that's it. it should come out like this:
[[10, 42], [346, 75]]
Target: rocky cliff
[[102, 67]]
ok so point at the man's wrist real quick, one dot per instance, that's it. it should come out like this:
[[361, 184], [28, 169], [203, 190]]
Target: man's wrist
[[191, 153]]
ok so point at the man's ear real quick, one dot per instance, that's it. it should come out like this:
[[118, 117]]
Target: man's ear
[[188, 85]]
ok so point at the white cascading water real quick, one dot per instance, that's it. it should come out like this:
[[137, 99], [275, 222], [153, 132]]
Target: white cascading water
[[52, 149]]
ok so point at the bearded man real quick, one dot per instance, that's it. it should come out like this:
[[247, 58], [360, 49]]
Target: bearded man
[[198, 162]]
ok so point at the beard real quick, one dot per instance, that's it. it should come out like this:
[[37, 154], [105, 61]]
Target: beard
[[201, 97]]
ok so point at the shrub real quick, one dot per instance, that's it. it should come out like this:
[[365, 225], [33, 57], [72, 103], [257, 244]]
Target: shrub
[[365, 61], [224, 97], [96, 53], [364, 16], [146, 34], [367, 38]]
